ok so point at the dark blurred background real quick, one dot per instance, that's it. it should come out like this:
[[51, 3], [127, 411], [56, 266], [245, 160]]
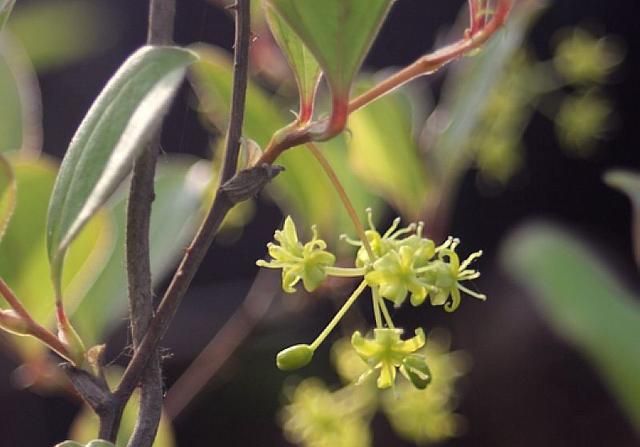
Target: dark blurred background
[[527, 388]]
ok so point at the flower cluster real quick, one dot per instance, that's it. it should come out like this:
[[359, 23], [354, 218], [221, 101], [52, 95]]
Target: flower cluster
[[398, 263]]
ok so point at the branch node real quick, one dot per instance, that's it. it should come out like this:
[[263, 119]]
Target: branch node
[[247, 183]]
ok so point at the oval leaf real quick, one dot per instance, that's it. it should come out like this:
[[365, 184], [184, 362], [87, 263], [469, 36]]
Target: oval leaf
[[305, 67], [339, 33], [114, 132], [7, 194]]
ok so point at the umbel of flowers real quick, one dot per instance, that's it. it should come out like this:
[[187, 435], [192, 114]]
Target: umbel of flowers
[[397, 264]]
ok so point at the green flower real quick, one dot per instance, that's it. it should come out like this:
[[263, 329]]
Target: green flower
[[583, 58], [306, 262], [396, 274], [317, 417], [387, 352], [444, 275]]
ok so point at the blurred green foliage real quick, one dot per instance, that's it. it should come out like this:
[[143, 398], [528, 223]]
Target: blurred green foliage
[[584, 303]]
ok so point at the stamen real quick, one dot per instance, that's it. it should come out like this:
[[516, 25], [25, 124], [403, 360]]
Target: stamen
[[470, 259], [348, 240], [392, 228], [369, 212], [480, 296]]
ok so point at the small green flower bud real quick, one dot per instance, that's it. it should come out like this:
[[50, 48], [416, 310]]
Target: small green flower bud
[[415, 368], [294, 357], [10, 321]]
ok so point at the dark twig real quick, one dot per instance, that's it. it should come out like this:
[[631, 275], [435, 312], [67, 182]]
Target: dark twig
[[141, 196], [223, 202]]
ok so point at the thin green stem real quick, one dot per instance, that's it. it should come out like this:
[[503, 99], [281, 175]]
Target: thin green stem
[[326, 166], [344, 272], [385, 311], [338, 316], [376, 308]]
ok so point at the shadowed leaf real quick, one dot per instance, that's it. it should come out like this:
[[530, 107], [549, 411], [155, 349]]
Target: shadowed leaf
[[339, 33], [584, 303], [304, 65], [629, 183]]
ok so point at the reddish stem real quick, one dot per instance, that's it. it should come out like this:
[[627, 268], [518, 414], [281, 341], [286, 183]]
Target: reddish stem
[[480, 31], [33, 328]]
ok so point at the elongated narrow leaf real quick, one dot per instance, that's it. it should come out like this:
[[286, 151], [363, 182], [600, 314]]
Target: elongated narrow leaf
[[629, 183], [20, 107], [5, 10], [304, 65], [583, 302], [115, 130], [339, 33], [7, 194]]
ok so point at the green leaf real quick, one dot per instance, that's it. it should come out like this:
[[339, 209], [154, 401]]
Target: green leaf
[[584, 302], [57, 33], [384, 152], [20, 120], [7, 194], [302, 190], [629, 183], [115, 130], [304, 65], [339, 33], [179, 188], [5, 10], [23, 255]]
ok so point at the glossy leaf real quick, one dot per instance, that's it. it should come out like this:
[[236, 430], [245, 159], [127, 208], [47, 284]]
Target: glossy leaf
[[7, 194], [304, 65], [113, 133], [5, 10], [302, 190], [339, 33], [384, 152], [179, 187], [23, 256], [583, 302], [629, 183]]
